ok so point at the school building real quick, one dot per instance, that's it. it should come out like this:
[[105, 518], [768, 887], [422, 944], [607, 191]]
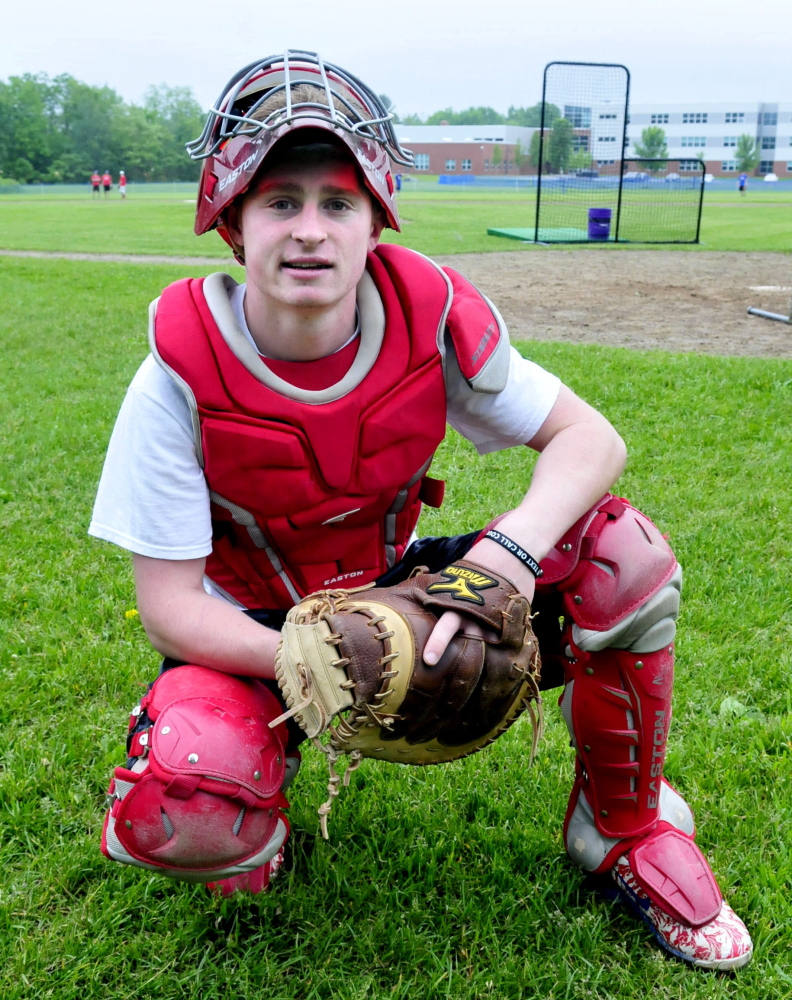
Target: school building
[[692, 129], [465, 149], [713, 130]]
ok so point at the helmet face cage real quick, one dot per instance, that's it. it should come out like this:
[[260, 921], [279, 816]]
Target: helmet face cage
[[231, 130]]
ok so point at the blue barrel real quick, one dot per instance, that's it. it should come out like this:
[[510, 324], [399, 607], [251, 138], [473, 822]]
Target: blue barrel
[[599, 220]]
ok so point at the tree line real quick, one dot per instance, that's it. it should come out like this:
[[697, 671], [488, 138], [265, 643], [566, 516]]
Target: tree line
[[530, 117], [59, 130]]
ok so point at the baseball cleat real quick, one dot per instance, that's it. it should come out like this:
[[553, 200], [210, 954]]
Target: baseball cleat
[[722, 943]]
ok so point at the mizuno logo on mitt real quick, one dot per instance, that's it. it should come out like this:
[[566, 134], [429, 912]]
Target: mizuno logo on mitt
[[463, 584]]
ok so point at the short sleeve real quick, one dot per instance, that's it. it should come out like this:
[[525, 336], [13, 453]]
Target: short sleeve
[[492, 422], [152, 498]]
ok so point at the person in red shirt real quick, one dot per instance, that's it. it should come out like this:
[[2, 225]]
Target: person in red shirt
[[96, 180], [107, 182], [122, 184]]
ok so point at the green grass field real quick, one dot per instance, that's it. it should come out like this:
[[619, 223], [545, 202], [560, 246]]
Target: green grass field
[[434, 222], [447, 882]]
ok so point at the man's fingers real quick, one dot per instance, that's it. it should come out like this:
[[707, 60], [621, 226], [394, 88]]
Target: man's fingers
[[443, 632]]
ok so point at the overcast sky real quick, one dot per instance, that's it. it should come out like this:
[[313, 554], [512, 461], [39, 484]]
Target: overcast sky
[[425, 54]]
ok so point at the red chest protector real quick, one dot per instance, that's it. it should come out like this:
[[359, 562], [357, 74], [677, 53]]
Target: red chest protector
[[308, 493]]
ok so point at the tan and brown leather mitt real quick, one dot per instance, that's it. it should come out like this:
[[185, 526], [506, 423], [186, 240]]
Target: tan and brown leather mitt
[[350, 663]]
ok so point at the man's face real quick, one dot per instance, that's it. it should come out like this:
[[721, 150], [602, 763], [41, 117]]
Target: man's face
[[306, 229]]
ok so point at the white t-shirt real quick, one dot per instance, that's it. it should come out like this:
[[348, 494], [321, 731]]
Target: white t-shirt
[[153, 499]]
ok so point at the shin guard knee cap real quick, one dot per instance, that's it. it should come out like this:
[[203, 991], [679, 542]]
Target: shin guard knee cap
[[204, 799]]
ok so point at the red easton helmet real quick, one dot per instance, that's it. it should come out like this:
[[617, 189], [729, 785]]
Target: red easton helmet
[[236, 141]]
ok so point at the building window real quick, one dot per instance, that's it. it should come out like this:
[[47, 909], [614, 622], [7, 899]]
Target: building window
[[580, 142], [486, 164], [729, 165], [694, 118], [768, 142], [467, 164], [580, 117], [730, 140], [421, 161], [605, 163], [694, 140], [659, 119], [789, 166], [766, 167], [770, 118], [690, 165], [733, 117], [450, 164], [605, 138], [607, 116]]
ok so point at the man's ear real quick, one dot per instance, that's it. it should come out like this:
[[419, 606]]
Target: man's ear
[[378, 223], [232, 223]]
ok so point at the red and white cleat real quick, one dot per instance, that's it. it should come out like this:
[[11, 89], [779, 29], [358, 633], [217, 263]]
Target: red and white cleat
[[249, 883], [668, 883]]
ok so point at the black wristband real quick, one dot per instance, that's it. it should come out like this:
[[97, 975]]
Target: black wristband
[[516, 551]]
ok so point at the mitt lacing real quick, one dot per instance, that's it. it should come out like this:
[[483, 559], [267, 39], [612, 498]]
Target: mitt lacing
[[335, 779], [351, 723]]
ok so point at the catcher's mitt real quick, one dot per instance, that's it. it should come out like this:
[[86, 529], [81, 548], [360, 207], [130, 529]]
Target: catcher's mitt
[[356, 656]]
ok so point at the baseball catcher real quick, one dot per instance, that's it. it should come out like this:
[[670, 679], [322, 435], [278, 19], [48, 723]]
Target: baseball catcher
[[267, 471]]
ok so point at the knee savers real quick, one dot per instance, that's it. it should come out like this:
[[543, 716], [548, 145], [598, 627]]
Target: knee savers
[[203, 798]]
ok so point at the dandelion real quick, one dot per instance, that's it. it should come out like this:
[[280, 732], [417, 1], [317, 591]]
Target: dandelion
[[132, 613]]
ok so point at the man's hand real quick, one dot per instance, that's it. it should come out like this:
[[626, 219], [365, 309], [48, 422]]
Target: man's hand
[[451, 623]]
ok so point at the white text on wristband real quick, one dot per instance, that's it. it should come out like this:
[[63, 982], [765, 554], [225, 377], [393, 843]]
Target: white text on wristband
[[516, 551]]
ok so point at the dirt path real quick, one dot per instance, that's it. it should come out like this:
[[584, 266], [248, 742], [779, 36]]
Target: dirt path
[[654, 299]]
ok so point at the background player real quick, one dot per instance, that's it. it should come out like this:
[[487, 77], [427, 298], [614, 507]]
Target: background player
[[277, 441]]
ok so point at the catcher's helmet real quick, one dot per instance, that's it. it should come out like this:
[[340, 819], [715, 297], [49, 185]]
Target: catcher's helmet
[[241, 130]]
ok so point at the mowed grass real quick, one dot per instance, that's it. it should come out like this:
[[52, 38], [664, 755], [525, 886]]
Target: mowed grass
[[446, 882], [433, 223]]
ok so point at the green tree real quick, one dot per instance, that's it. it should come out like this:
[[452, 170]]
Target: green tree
[[532, 117], [469, 116], [521, 156], [86, 123], [533, 148], [145, 150], [497, 157], [412, 120], [746, 154], [63, 129], [580, 160], [560, 145], [29, 127], [177, 117], [652, 145]]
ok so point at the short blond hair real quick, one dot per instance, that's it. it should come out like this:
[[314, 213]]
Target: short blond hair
[[305, 93]]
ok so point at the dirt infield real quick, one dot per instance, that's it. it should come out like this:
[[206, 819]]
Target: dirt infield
[[652, 299]]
